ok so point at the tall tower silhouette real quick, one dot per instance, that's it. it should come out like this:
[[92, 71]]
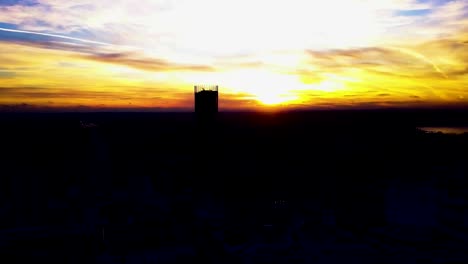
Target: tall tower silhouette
[[206, 140], [206, 101]]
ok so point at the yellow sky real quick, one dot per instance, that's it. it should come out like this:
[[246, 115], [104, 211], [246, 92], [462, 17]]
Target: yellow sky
[[262, 54]]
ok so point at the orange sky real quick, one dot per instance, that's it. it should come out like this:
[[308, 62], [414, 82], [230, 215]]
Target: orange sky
[[264, 55]]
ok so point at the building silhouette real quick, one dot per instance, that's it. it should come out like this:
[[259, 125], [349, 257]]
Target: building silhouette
[[206, 101], [206, 110]]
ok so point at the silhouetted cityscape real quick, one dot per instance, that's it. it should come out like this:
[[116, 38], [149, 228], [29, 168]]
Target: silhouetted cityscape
[[229, 132], [304, 187]]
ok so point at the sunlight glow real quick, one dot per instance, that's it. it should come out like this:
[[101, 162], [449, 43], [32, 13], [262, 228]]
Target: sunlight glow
[[329, 86], [275, 99], [267, 87]]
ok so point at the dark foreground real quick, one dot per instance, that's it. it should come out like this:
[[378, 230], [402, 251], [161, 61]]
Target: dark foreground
[[322, 187]]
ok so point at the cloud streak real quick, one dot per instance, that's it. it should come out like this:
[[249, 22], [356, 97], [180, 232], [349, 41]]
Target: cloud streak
[[132, 60], [54, 36]]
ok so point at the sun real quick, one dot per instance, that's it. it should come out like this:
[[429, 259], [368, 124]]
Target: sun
[[271, 99], [266, 87]]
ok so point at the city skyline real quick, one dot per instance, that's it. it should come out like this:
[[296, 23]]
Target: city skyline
[[262, 54]]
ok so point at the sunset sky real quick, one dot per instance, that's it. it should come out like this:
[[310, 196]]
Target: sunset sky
[[263, 54]]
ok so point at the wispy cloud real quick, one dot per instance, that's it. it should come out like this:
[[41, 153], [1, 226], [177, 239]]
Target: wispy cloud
[[53, 35], [133, 60]]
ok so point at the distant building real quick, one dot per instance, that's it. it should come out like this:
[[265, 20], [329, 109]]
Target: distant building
[[206, 101]]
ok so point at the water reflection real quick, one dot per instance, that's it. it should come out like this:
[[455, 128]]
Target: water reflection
[[446, 130]]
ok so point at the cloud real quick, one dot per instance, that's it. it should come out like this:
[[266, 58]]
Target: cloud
[[4, 73], [445, 19], [331, 53], [193, 32], [434, 72], [31, 92], [133, 60], [143, 97], [106, 53], [444, 58], [53, 36], [218, 27]]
